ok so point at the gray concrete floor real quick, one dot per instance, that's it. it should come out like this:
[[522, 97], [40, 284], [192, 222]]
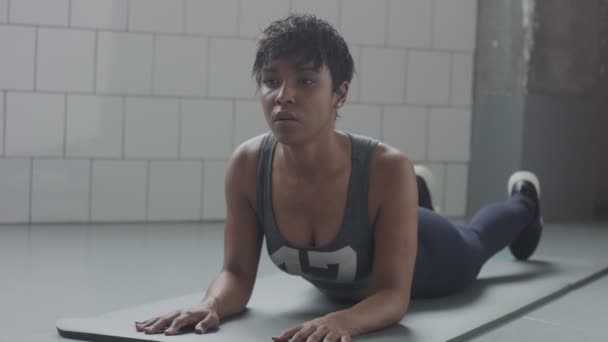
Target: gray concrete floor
[[55, 271]]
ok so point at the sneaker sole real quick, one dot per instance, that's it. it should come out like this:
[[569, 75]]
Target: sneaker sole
[[427, 175], [523, 175]]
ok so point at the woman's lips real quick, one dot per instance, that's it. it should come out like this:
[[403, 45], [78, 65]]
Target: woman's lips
[[284, 116]]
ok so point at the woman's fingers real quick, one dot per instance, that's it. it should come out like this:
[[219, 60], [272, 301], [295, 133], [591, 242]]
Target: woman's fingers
[[183, 320], [160, 324], [210, 322], [141, 325]]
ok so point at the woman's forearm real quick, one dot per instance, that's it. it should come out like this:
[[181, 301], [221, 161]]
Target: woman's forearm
[[377, 311], [226, 294]]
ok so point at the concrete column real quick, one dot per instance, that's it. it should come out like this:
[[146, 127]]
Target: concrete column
[[537, 104], [602, 194]]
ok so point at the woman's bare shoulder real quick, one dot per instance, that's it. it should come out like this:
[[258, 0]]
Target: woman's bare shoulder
[[248, 152], [388, 165], [242, 166], [386, 156]]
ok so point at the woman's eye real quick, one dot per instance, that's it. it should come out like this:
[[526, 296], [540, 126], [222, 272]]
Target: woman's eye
[[270, 82], [306, 81]]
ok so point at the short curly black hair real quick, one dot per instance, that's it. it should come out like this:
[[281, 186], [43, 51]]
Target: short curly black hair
[[311, 40]]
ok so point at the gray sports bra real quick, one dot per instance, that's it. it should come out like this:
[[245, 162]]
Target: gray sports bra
[[345, 263]]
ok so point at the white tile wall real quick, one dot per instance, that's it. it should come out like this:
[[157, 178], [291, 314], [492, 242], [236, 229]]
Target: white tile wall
[[214, 203], [450, 134], [175, 190], [428, 78], [161, 93], [328, 10], [207, 128], [406, 128], [156, 15], [17, 62], [14, 190], [42, 117], [65, 72], [124, 63], [119, 190], [360, 119], [152, 128], [60, 190], [3, 11], [456, 189], [54, 12], [180, 66], [364, 21], [454, 25], [256, 15], [410, 23], [382, 76], [249, 121], [230, 68], [102, 14], [462, 79], [94, 126], [212, 17]]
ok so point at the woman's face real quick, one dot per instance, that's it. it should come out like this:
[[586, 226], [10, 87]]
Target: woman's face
[[298, 101]]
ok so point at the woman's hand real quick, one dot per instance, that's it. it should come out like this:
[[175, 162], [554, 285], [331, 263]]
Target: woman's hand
[[202, 317], [328, 328]]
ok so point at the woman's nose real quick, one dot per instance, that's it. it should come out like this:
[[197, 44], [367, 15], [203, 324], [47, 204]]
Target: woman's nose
[[286, 94]]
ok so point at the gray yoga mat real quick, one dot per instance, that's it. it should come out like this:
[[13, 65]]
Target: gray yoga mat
[[280, 301]]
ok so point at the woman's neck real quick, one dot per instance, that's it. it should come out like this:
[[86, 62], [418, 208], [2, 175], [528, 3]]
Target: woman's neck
[[324, 156]]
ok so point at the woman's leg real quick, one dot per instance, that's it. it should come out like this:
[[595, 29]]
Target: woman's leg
[[450, 256]]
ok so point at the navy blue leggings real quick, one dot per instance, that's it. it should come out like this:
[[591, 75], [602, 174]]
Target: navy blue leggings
[[450, 256]]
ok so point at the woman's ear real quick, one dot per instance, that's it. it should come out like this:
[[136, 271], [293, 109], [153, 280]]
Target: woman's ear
[[341, 94]]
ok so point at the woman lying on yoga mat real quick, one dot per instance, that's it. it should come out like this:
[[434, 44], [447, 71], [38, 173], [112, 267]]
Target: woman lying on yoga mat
[[340, 210]]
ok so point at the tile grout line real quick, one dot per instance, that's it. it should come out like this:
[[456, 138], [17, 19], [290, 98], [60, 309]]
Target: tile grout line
[[202, 206], [406, 72], [69, 13], [124, 128], [91, 175], [427, 136], [451, 78], [4, 121], [360, 55], [432, 24], [128, 23], [238, 17], [228, 37], [223, 98], [179, 128], [147, 196], [386, 19], [339, 23], [184, 16], [207, 67], [36, 29], [31, 189], [95, 60], [444, 188], [8, 11], [381, 137], [65, 126], [233, 125], [153, 66]]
